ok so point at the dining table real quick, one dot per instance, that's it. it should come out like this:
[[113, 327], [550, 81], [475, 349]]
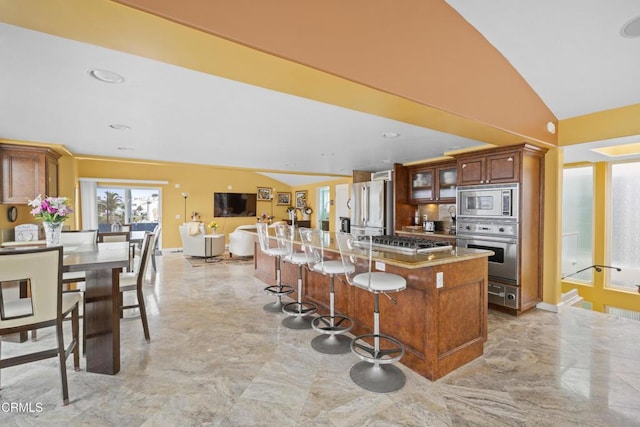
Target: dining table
[[102, 264]]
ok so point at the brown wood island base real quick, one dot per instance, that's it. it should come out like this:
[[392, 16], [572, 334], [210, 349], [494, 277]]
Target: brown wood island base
[[441, 328]]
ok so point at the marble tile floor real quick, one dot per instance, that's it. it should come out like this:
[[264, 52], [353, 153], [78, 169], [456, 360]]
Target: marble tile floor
[[217, 359]]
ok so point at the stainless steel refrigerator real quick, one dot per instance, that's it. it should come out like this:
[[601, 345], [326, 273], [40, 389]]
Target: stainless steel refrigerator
[[372, 208]]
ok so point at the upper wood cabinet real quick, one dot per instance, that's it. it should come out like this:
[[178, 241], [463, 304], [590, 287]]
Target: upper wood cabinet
[[433, 184], [492, 168], [28, 171]]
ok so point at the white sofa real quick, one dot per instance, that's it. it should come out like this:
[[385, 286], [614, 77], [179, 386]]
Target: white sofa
[[193, 241], [241, 242]]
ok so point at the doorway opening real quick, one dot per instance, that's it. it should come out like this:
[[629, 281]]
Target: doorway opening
[[324, 209]]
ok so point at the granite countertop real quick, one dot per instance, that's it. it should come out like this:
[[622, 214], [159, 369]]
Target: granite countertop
[[410, 261]]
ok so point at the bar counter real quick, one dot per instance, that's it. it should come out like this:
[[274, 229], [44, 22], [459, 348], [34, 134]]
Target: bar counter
[[441, 328]]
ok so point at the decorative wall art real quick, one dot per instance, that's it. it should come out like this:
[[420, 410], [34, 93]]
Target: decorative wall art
[[264, 194], [283, 199], [301, 199]]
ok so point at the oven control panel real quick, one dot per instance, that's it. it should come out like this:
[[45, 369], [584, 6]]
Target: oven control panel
[[481, 228]]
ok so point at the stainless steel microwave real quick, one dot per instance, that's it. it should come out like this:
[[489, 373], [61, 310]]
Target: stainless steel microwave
[[488, 201]]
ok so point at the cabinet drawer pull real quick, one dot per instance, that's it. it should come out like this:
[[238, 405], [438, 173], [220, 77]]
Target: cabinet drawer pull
[[510, 159], [464, 165]]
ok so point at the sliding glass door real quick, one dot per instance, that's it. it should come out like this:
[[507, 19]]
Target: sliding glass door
[[140, 207]]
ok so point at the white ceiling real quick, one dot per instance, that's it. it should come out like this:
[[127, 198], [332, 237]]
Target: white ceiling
[[181, 115], [571, 53]]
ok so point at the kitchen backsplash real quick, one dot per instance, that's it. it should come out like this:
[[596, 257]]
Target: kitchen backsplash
[[436, 212]]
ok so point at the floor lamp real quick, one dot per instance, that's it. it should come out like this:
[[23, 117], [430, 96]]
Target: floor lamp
[[185, 195]]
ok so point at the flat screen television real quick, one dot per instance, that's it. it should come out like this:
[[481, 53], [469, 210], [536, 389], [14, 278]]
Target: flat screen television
[[234, 204]]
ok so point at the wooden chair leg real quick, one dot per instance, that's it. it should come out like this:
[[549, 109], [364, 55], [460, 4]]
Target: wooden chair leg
[[75, 327], [62, 363], [84, 326], [153, 262], [143, 315]]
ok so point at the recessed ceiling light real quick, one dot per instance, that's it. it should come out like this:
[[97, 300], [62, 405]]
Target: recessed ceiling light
[[106, 76], [327, 154], [118, 126], [290, 164], [390, 134], [631, 28], [619, 150], [125, 148], [386, 161]]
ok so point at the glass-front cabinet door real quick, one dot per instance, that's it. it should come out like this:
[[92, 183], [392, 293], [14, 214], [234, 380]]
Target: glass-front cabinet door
[[422, 185], [447, 180]]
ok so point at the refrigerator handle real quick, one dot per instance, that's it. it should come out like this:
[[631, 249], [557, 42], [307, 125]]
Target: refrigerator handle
[[364, 205], [368, 204]]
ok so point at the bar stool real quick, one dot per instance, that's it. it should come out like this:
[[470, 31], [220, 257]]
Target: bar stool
[[331, 327], [299, 311], [376, 372], [279, 290]]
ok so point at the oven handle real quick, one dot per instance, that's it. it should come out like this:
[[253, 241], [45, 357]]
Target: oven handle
[[498, 294], [489, 239]]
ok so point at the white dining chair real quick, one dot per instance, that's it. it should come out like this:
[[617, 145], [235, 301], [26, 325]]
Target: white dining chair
[[46, 306], [133, 282], [75, 239]]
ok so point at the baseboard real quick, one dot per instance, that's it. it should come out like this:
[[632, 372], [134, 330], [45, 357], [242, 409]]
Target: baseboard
[[169, 250], [569, 299], [548, 307]]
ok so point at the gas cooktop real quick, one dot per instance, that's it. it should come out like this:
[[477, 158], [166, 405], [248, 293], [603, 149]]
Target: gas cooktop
[[403, 244]]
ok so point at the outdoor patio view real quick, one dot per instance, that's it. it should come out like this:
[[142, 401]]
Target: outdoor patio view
[[139, 207]]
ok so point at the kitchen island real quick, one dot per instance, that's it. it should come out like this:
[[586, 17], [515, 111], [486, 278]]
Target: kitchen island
[[442, 328]]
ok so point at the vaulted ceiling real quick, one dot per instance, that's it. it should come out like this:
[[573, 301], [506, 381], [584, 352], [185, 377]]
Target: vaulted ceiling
[[309, 86]]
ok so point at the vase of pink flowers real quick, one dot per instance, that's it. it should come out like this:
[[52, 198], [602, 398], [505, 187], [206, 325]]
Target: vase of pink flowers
[[53, 211]]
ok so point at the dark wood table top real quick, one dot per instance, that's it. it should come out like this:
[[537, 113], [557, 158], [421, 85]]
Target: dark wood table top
[[94, 257]]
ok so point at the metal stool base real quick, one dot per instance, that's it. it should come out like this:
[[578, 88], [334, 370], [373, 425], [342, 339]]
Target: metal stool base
[[278, 290], [274, 307], [299, 308], [341, 324], [377, 378], [297, 322], [331, 344], [367, 353]]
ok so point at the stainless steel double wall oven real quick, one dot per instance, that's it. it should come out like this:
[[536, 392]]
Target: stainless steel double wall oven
[[488, 219]]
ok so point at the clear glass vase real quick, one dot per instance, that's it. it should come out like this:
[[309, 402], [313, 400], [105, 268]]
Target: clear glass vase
[[52, 232]]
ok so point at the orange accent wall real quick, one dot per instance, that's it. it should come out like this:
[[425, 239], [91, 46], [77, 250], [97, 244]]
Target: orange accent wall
[[118, 27], [421, 50]]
